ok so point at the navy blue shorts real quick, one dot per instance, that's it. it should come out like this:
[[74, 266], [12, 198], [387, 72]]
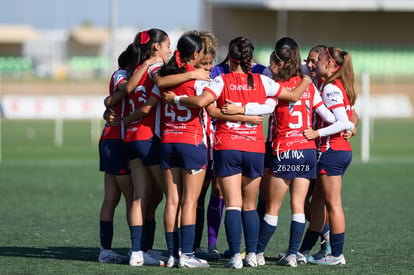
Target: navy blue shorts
[[295, 164], [334, 163], [187, 156], [232, 162], [148, 151], [112, 157], [268, 155]]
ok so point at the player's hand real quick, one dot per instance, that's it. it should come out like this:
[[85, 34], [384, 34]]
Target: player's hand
[[153, 60], [231, 109], [347, 135], [107, 100], [112, 119], [254, 119], [169, 97], [310, 134], [200, 74]]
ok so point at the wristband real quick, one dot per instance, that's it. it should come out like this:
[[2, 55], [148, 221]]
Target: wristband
[[177, 99]]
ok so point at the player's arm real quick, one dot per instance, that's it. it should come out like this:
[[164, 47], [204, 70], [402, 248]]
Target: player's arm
[[251, 108], [341, 124], [142, 111], [295, 94], [321, 109], [115, 98], [110, 118], [215, 112], [133, 81], [176, 79], [199, 101], [325, 114], [355, 120]]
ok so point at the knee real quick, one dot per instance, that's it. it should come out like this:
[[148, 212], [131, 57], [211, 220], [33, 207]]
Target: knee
[[112, 199], [333, 206]]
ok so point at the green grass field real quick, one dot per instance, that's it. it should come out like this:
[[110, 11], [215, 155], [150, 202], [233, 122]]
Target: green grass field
[[50, 199]]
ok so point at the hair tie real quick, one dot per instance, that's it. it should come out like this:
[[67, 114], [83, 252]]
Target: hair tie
[[234, 60], [178, 59], [145, 38]]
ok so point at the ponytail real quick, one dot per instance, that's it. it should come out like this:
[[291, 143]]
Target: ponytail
[[287, 52], [144, 41], [187, 45], [241, 52], [345, 71]]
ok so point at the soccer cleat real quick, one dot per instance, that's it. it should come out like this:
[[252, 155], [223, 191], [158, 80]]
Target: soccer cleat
[[136, 258], [213, 253], [289, 260], [282, 254], [227, 254], [108, 256], [157, 255], [191, 261], [325, 248], [322, 253], [302, 258], [260, 259], [328, 260], [172, 262], [250, 260], [236, 262], [200, 253], [149, 260]]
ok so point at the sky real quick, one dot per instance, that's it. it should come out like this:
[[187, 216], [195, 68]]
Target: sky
[[64, 14]]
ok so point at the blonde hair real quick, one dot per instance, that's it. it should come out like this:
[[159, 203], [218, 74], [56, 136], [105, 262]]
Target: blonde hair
[[345, 72], [209, 41]]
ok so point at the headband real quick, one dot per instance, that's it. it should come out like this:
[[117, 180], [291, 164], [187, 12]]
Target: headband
[[278, 57], [330, 57]]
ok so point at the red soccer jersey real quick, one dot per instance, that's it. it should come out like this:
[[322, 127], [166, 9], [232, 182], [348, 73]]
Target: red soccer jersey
[[120, 109], [294, 117], [146, 127], [182, 124], [334, 96], [234, 86]]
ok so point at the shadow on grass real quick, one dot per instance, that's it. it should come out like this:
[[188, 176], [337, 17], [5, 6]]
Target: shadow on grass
[[87, 254]]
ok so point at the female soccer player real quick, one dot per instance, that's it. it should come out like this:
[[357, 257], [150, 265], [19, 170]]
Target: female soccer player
[[114, 164], [239, 147], [294, 159], [206, 63], [309, 65], [183, 156], [215, 207], [142, 136], [338, 94]]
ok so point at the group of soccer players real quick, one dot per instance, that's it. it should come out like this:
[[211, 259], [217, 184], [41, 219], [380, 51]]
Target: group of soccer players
[[175, 125]]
